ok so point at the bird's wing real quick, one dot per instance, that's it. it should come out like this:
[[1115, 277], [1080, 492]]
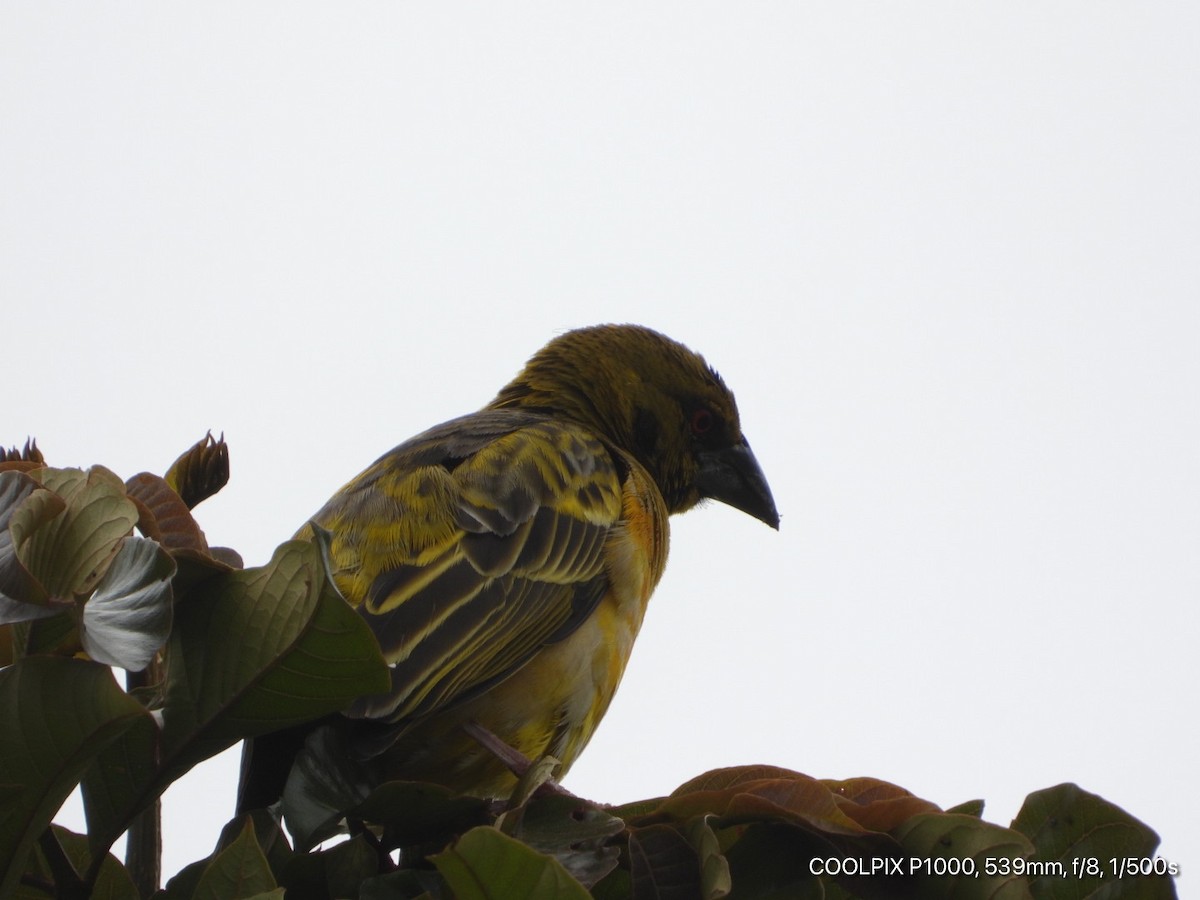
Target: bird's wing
[[470, 547]]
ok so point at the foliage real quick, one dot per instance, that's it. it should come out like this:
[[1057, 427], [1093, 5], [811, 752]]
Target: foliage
[[96, 573]]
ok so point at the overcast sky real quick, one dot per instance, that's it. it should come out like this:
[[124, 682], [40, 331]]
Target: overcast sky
[[947, 255]]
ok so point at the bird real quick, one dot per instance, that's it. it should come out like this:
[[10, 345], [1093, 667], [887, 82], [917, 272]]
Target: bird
[[504, 559]]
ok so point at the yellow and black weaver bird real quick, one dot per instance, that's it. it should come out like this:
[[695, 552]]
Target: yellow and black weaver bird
[[504, 559]]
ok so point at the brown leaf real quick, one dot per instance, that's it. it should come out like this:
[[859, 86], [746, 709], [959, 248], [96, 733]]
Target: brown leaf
[[163, 516], [662, 864], [201, 471], [719, 779], [875, 804], [788, 797], [22, 460]]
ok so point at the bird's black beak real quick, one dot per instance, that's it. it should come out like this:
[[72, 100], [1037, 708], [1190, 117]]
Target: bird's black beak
[[732, 475]]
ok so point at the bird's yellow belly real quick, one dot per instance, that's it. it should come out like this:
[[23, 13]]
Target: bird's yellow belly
[[551, 705]]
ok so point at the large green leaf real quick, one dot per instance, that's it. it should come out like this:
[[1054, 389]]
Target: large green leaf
[[487, 865], [58, 714], [120, 783], [257, 650], [69, 553], [954, 851], [1078, 833], [128, 617]]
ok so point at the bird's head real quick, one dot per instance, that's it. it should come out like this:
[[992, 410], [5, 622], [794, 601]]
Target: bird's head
[[655, 399]]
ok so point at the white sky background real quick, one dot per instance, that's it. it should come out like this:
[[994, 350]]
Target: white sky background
[[947, 255]]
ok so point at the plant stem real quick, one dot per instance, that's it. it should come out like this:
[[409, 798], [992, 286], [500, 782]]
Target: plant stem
[[143, 848], [67, 883]]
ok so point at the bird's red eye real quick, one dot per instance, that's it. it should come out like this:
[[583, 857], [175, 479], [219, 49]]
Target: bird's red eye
[[702, 421]]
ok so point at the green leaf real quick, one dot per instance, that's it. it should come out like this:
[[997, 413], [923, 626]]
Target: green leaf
[[638, 809], [349, 864], [182, 885], [542, 770], [120, 782], [968, 808], [69, 552], [943, 841], [714, 867], [487, 865], [196, 567], [127, 619], [334, 873], [405, 884], [412, 812], [574, 831], [257, 650], [268, 833], [1068, 825], [113, 881], [21, 595], [238, 872], [58, 714], [55, 635]]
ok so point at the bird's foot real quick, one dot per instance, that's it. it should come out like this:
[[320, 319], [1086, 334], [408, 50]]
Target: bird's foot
[[533, 776]]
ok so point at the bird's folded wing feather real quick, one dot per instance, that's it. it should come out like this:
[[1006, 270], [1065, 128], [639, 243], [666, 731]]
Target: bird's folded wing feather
[[470, 547]]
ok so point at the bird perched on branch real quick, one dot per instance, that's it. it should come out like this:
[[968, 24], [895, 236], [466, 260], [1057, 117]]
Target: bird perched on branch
[[504, 559]]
